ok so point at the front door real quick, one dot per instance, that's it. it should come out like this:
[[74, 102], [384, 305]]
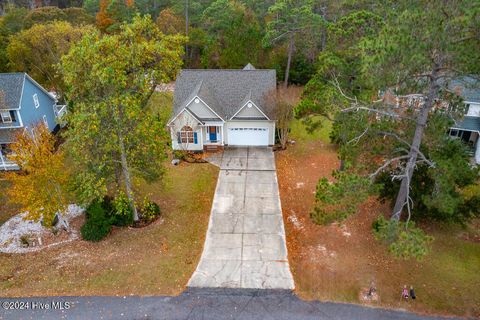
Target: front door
[[213, 133]]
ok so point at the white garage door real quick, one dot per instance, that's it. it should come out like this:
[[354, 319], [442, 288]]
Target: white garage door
[[248, 136]]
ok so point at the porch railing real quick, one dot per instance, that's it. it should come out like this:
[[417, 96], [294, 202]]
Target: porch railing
[[60, 111], [6, 164]]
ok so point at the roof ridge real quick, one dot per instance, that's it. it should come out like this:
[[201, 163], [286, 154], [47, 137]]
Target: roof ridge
[[10, 73], [239, 70]]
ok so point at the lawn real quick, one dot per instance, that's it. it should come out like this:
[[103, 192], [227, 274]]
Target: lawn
[[157, 259], [154, 260], [336, 262]]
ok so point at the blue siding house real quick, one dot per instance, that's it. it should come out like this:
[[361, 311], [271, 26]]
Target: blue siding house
[[23, 104], [468, 129]]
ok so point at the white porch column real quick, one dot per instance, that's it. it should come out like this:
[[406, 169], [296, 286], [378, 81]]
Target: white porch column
[[2, 160], [477, 151], [221, 132]]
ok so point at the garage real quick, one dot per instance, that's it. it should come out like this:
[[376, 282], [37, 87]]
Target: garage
[[248, 136]]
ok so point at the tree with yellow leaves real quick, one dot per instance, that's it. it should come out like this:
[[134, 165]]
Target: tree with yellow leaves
[[41, 187]]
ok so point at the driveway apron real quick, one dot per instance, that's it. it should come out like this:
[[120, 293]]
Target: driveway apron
[[245, 245]]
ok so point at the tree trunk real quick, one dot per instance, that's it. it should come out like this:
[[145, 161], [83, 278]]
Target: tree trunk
[[126, 174], [415, 146], [289, 60], [324, 30], [186, 28]]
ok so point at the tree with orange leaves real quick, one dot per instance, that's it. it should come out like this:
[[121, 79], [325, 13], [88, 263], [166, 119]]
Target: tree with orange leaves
[[114, 12], [41, 187], [103, 19]]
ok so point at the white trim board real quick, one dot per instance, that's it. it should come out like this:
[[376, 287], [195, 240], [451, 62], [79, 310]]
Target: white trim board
[[250, 101], [183, 110], [197, 97], [186, 106]]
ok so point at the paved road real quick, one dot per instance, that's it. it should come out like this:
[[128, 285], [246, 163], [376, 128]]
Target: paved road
[[245, 245], [208, 304]]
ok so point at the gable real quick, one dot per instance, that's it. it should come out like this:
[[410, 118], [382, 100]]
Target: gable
[[31, 88], [184, 118], [201, 110], [249, 111], [473, 109], [225, 91]]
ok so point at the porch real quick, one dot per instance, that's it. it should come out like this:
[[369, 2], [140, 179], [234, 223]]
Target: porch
[[5, 163], [212, 134], [469, 132]]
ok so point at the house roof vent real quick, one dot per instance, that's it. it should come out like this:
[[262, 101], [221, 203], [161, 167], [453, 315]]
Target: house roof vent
[[249, 67]]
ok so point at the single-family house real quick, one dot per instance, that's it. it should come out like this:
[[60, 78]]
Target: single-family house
[[468, 129], [216, 108], [23, 104]]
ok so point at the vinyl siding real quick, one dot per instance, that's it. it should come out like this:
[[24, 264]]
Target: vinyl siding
[[31, 115], [185, 119], [201, 110], [249, 112]]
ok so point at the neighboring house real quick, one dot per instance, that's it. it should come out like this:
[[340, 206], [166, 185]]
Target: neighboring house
[[216, 108], [23, 104], [468, 129]]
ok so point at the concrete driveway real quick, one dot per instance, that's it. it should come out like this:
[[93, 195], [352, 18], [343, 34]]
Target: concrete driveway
[[245, 244]]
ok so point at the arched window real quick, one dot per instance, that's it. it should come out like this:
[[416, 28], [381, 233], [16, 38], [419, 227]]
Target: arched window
[[186, 135]]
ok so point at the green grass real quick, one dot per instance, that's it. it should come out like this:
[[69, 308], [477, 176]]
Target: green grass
[[300, 133], [160, 103], [305, 140]]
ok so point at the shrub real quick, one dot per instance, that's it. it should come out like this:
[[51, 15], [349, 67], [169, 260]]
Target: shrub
[[471, 200], [98, 224], [404, 242], [150, 210], [122, 212], [179, 154]]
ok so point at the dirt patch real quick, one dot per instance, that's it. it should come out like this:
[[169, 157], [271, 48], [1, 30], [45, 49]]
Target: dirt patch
[[338, 262]]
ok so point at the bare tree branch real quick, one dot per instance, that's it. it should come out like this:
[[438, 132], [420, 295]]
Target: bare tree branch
[[386, 164], [362, 106], [396, 136], [357, 139]]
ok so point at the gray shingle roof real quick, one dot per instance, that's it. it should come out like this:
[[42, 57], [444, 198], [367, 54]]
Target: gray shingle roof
[[9, 135], [11, 85], [467, 87], [225, 90], [469, 124]]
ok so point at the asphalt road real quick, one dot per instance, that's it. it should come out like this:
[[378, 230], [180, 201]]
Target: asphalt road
[[209, 304]]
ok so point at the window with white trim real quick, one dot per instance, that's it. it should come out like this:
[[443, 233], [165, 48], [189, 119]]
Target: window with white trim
[[36, 102], [186, 135], [45, 121], [6, 116]]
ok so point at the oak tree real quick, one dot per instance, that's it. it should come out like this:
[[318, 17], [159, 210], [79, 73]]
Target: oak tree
[[112, 137]]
